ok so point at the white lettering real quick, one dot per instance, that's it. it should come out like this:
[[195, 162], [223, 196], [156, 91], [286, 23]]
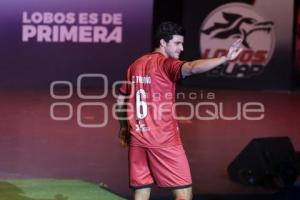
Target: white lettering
[[115, 18], [62, 33], [29, 31]]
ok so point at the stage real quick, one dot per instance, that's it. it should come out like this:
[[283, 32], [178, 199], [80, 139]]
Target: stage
[[36, 143]]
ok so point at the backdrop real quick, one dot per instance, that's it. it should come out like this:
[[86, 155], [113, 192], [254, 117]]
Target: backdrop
[[265, 63], [54, 40]]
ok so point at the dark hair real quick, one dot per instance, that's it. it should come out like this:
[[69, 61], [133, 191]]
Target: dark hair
[[166, 30]]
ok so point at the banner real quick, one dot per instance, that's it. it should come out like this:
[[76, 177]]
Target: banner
[[49, 40], [265, 62]]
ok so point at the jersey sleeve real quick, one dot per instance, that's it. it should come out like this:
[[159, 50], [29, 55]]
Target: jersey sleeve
[[124, 89], [172, 68]]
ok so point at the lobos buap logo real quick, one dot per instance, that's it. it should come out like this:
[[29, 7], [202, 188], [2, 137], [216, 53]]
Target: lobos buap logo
[[227, 23]]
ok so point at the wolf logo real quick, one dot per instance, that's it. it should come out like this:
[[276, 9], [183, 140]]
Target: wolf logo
[[237, 26], [237, 20]]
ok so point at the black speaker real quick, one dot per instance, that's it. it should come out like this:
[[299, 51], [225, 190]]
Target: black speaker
[[265, 162]]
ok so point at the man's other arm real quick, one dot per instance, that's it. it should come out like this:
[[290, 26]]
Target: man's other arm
[[121, 113]]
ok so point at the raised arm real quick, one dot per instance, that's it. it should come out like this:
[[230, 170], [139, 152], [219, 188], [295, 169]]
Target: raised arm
[[204, 65]]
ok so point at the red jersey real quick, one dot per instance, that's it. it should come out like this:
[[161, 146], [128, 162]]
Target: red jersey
[[150, 107]]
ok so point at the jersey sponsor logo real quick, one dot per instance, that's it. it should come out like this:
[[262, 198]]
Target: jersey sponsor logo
[[141, 127], [237, 20]]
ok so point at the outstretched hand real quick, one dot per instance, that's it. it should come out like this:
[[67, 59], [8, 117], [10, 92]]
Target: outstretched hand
[[234, 50]]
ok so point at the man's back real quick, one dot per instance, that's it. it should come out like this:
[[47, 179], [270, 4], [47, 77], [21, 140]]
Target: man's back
[[152, 111]]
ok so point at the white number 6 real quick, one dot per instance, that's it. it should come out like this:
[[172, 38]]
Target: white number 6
[[141, 106]]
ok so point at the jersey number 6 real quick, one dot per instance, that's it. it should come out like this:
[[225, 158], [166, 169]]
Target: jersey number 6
[[141, 106]]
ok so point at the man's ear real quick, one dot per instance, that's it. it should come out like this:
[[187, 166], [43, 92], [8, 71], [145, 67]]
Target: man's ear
[[162, 43]]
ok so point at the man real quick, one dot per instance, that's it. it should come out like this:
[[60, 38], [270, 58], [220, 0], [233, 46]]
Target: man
[[156, 155]]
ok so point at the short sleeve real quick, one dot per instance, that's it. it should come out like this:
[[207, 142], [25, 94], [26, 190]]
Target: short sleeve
[[123, 89], [172, 68]]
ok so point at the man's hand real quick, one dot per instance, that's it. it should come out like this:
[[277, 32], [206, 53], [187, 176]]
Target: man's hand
[[124, 136], [234, 50]]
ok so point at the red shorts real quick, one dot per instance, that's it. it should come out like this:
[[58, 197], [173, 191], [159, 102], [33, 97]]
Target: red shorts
[[166, 167]]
